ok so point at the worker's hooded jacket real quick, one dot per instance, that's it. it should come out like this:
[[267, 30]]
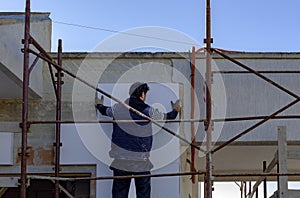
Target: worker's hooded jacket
[[132, 140]]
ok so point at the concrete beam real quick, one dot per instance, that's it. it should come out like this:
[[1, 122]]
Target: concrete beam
[[282, 162], [293, 154], [12, 127], [6, 182]]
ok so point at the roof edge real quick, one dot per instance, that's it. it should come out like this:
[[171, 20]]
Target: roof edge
[[178, 55], [13, 17]]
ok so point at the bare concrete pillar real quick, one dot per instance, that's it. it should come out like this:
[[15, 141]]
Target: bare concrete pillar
[[282, 162]]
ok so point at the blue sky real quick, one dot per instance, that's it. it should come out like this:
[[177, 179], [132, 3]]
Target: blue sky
[[245, 25]]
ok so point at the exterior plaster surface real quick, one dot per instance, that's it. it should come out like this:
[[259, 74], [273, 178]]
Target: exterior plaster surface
[[11, 57]]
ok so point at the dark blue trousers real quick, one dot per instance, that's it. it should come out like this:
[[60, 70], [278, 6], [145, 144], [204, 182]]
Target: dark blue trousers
[[121, 187]]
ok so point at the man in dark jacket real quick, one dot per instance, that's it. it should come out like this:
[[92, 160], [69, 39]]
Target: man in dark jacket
[[132, 141]]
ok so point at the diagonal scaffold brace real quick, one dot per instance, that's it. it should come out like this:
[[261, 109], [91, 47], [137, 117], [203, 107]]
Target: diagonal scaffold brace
[[116, 100]]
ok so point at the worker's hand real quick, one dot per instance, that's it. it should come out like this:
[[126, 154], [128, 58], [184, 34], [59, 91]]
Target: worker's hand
[[99, 101], [176, 106]]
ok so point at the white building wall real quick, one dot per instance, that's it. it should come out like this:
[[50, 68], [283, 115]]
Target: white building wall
[[11, 57], [90, 143]]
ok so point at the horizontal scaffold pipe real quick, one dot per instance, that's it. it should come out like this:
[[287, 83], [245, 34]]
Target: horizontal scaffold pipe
[[114, 177], [258, 71], [235, 119], [257, 174], [110, 121]]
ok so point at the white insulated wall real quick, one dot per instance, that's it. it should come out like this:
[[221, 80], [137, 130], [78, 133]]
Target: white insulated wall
[[90, 143]]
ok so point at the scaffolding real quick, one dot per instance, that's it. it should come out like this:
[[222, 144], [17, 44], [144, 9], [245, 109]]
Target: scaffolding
[[209, 151]]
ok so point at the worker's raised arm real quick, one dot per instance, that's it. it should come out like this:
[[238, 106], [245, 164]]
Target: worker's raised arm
[[104, 110], [157, 115]]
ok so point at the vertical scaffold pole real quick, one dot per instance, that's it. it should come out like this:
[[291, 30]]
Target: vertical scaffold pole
[[24, 154], [58, 117], [193, 150], [208, 127]]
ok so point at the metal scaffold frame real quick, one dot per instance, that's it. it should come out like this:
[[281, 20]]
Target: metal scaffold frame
[[209, 151], [43, 55], [208, 122]]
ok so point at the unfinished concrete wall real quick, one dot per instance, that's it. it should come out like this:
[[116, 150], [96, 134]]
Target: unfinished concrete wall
[[247, 95]]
